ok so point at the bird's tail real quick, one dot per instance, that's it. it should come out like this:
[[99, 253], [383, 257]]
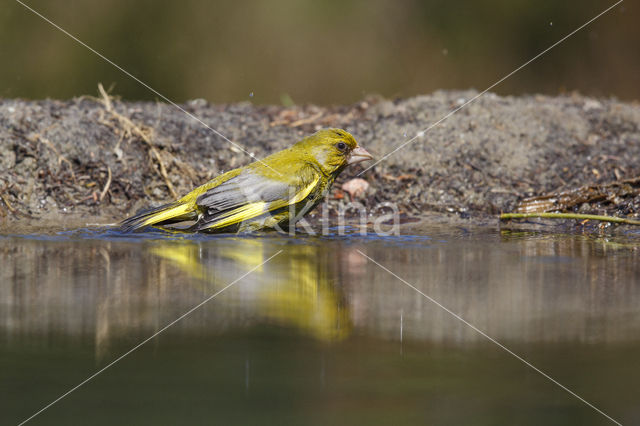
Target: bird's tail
[[168, 213]]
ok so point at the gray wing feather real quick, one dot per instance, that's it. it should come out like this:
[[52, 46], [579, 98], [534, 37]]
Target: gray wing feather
[[243, 189]]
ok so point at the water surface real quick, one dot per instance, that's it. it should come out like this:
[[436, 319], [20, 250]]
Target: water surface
[[315, 332]]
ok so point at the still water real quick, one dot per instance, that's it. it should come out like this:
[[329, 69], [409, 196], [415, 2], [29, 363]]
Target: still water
[[320, 330]]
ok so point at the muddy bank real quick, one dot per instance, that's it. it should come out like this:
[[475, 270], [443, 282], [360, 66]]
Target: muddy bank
[[102, 160]]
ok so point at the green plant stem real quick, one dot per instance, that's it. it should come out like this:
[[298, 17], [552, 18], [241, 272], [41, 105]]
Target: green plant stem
[[613, 219]]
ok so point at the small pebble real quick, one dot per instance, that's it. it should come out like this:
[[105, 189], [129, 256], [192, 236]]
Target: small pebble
[[355, 187]]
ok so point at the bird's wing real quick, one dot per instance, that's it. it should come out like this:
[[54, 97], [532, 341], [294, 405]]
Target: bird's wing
[[249, 195]]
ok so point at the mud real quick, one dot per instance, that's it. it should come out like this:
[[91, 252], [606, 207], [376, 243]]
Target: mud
[[101, 160]]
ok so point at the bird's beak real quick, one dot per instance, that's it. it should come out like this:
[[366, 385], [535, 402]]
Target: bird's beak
[[358, 155]]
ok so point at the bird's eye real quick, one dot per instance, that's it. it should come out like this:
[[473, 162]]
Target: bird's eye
[[341, 146]]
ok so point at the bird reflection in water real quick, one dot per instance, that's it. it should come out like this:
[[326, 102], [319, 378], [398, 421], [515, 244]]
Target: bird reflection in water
[[297, 289]]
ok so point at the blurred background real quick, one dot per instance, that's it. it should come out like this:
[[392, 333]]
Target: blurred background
[[324, 52]]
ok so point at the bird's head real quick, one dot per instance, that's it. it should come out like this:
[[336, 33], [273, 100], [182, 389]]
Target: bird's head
[[334, 149]]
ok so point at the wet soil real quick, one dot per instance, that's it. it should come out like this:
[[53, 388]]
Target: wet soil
[[101, 159]]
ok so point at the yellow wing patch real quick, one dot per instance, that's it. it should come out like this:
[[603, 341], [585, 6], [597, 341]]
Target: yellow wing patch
[[240, 214], [301, 195], [170, 213]]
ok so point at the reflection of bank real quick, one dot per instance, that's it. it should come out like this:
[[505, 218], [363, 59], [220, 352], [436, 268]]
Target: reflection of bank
[[295, 289]]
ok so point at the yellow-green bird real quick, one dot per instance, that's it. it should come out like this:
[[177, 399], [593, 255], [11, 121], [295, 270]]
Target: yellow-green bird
[[271, 193]]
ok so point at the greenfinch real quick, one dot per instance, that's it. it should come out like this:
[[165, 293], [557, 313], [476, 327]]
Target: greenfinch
[[272, 193]]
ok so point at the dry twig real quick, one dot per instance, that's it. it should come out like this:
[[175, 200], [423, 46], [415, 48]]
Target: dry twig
[[563, 201], [612, 219], [107, 185], [143, 132]]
